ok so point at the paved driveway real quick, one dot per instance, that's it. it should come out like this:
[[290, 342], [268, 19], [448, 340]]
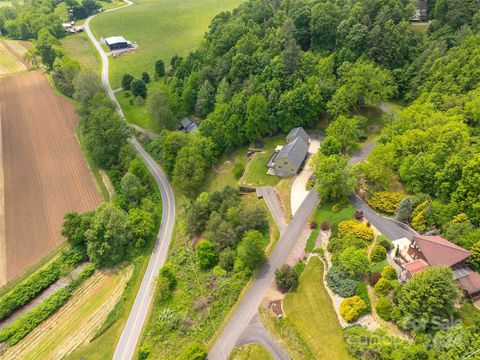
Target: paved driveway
[[248, 306], [298, 192], [273, 203]]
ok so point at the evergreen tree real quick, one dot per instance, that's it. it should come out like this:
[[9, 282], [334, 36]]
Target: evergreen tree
[[205, 99], [160, 68], [138, 88]]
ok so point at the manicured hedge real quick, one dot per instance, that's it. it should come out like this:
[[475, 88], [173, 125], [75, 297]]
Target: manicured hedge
[[385, 242], [379, 253], [40, 280], [385, 202], [384, 308], [15, 332], [362, 292]]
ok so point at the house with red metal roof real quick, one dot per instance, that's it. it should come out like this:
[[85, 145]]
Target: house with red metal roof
[[426, 251]]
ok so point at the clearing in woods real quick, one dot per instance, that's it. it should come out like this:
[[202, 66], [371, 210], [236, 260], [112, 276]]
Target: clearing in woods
[[44, 172], [161, 28], [77, 321]]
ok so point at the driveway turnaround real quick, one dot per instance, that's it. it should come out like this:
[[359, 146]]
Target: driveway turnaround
[[248, 306], [255, 333], [131, 333]]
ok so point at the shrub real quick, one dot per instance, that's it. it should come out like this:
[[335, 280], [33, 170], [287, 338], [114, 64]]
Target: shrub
[[168, 274], [336, 208], [389, 273], [336, 244], [206, 254], [352, 308], [238, 170], [374, 277], [383, 287], [286, 278], [462, 217], [379, 253], [384, 308], [385, 202], [313, 225], [325, 226], [385, 242], [354, 262], [355, 228], [340, 283], [194, 351], [362, 292]]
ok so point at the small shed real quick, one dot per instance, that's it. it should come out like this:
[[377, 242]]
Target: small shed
[[187, 125], [117, 42], [298, 132]]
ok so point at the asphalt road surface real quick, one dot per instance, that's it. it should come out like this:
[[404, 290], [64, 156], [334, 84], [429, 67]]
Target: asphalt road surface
[[248, 306], [133, 329], [131, 333]]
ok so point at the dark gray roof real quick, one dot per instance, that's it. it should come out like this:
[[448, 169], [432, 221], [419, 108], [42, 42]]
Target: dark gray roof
[[295, 151], [298, 132], [186, 122]]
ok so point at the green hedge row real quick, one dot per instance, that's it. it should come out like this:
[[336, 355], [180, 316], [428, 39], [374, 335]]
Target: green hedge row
[[40, 280], [15, 332]]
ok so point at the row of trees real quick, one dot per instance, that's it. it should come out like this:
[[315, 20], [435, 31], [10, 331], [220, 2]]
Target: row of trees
[[119, 229]]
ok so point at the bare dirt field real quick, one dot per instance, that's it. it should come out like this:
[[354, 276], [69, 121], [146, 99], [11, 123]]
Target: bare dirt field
[[44, 172]]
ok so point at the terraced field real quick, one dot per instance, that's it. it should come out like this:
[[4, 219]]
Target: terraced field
[[76, 322]]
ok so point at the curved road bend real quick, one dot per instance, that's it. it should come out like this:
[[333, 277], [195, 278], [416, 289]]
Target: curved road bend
[[131, 333], [248, 306]]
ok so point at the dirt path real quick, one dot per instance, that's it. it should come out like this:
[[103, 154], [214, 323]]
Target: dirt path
[[3, 240], [70, 327]]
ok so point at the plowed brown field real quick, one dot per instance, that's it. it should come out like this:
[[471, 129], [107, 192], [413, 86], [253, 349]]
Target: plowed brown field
[[44, 172]]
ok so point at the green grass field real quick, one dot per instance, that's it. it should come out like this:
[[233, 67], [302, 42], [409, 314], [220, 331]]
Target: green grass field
[[309, 309], [161, 28], [256, 173], [8, 63], [78, 47], [251, 352]]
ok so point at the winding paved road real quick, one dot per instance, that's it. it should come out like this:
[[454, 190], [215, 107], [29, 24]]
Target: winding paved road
[[248, 306], [131, 333]]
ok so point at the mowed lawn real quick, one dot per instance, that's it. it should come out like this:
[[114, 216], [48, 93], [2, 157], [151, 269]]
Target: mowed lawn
[[256, 172], [310, 310], [161, 28]]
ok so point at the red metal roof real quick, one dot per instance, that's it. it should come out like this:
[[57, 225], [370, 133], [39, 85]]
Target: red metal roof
[[471, 283], [416, 266], [440, 252]]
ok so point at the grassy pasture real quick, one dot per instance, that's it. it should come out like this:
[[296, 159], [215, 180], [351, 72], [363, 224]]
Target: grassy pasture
[[161, 28], [78, 47]]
